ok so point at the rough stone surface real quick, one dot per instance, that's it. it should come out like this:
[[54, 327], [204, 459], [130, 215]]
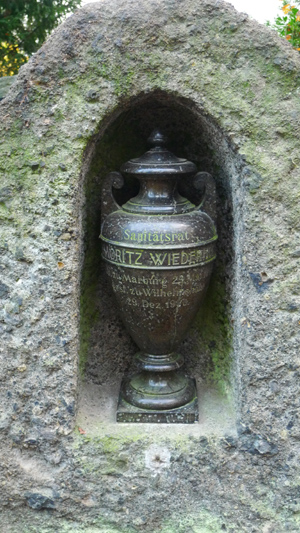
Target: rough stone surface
[[226, 91], [5, 84]]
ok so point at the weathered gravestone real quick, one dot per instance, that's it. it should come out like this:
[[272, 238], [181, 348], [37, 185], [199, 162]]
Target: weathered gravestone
[[226, 92]]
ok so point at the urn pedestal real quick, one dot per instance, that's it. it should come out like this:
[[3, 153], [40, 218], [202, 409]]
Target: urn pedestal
[[159, 250]]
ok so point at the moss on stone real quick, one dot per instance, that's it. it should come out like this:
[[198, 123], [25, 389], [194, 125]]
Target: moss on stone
[[88, 314], [214, 330], [200, 522]]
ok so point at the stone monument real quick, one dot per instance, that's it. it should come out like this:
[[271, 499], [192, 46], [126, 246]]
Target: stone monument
[[225, 91]]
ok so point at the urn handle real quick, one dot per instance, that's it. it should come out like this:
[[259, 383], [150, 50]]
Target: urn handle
[[108, 203], [204, 181]]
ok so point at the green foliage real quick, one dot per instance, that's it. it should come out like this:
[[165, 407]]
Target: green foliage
[[288, 25], [24, 25]]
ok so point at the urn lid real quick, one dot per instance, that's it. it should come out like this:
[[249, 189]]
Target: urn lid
[[158, 161]]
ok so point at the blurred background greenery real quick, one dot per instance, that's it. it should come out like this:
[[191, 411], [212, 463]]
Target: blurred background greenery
[[24, 26]]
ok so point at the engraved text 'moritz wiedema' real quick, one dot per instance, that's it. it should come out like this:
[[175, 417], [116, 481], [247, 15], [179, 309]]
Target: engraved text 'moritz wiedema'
[[142, 258]]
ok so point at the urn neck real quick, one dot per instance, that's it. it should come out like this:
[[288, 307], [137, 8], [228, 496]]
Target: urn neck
[[158, 195], [158, 171]]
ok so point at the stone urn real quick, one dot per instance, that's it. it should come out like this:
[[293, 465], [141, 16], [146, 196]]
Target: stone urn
[[159, 250]]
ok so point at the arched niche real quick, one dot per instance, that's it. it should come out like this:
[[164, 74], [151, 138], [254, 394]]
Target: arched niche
[[106, 349]]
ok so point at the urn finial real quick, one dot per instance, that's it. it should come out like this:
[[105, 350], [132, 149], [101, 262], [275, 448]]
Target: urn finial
[[157, 139]]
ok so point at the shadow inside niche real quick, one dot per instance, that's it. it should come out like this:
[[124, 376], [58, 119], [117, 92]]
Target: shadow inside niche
[[106, 349]]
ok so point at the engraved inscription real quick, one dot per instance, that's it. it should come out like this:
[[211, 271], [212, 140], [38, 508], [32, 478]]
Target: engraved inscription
[[155, 291], [155, 237], [120, 255]]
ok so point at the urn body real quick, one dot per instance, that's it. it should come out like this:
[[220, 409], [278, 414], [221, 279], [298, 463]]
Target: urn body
[[159, 269]]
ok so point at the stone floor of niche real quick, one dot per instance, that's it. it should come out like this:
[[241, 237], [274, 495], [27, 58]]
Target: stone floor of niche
[[97, 414]]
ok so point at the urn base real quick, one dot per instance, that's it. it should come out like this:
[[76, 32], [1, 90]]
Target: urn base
[[186, 414]]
